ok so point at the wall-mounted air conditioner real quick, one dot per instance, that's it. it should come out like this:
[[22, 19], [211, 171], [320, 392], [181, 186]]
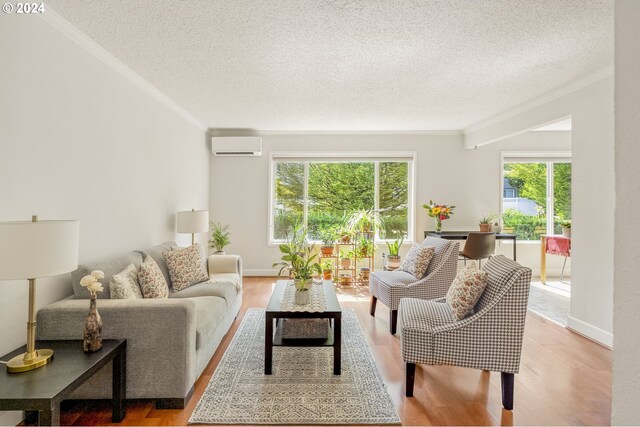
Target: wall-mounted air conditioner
[[236, 146]]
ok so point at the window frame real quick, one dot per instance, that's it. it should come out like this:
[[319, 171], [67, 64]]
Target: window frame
[[547, 157], [410, 157]]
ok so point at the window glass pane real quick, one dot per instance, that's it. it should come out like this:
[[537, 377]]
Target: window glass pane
[[394, 198], [561, 195], [525, 212], [336, 189], [288, 198]]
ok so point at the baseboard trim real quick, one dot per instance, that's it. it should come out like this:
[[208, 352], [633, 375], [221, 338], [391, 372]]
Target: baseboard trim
[[253, 272], [591, 332]]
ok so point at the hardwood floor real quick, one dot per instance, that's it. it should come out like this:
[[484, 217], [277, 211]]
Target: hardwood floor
[[564, 378]]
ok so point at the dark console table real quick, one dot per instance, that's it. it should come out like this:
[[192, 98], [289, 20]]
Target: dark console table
[[39, 392], [462, 235]]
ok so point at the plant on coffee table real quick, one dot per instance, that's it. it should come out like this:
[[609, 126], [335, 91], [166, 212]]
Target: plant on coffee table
[[299, 261]]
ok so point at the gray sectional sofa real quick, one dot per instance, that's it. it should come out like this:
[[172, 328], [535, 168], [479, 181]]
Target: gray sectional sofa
[[169, 341]]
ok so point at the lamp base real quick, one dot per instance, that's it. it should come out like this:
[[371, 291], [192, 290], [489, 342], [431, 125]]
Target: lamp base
[[18, 364]]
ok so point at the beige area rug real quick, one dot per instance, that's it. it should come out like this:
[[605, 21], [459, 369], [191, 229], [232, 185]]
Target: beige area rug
[[302, 389]]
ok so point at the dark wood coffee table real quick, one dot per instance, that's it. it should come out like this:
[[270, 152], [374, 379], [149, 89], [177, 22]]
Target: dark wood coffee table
[[39, 392], [333, 312]]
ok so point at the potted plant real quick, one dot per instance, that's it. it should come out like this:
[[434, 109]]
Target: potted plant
[[328, 237], [566, 228], [393, 260], [365, 221], [327, 269], [365, 247], [219, 237], [345, 259], [345, 234], [299, 261], [485, 222], [439, 213]]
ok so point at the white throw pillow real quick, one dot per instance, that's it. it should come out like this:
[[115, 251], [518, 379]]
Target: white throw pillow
[[124, 285]]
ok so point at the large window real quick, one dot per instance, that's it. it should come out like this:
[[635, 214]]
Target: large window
[[319, 192], [536, 194]]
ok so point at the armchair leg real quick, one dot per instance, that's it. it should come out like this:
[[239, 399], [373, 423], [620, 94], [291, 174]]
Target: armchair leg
[[507, 390], [372, 307], [410, 378], [393, 321]]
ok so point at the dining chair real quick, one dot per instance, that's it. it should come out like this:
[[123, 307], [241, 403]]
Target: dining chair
[[478, 246]]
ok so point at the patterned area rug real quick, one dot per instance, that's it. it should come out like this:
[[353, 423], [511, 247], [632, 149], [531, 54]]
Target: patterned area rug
[[302, 389]]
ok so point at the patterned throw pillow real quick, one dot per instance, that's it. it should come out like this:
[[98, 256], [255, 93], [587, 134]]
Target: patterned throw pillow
[[124, 285], [417, 260], [466, 290], [186, 267], [152, 282]]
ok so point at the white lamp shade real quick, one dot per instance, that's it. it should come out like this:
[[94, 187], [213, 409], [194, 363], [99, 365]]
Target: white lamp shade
[[29, 250], [193, 221]]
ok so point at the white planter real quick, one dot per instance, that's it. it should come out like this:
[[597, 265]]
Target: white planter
[[566, 232], [303, 297], [393, 261]]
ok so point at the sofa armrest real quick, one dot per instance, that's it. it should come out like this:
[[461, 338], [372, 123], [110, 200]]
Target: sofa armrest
[[225, 264], [160, 334]]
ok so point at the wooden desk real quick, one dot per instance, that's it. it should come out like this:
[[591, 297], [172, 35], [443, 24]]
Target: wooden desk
[[462, 235], [39, 392], [555, 245]]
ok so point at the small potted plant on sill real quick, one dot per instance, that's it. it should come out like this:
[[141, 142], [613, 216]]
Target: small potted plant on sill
[[219, 237], [485, 222], [566, 228], [300, 263], [327, 269], [393, 259]]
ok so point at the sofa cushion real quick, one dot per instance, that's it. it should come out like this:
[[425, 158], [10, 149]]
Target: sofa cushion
[[417, 260], [109, 267], [394, 278], [223, 288], [209, 314], [466, 290], [424, 315], [124, 285], [186, 267], [156, 253], [151, 280]]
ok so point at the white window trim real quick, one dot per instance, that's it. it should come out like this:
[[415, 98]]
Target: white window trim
[[565, 156], [344, 155]]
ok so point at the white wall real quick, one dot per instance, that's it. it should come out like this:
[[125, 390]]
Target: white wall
[[591, 111], [446, 172], [79, 141], [626, 369]]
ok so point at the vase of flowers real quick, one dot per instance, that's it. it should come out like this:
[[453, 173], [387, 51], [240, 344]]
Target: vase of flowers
[[93, 325], [439, 213]]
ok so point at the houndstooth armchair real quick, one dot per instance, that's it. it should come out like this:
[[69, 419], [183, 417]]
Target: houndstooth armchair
[[489, 339], [390, 286]]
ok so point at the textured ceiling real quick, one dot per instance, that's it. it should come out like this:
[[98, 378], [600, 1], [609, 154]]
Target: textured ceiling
[[350, 64]]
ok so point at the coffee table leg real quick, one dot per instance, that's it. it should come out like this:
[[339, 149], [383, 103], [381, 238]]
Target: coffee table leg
[[268, 344], [119, 386], [50, 417], [337, 345]]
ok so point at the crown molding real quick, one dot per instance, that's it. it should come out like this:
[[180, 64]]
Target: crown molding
[[258, 132], [81, 39], [541, 100]]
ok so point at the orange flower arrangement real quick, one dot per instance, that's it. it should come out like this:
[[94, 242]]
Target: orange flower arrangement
[[439, 212]]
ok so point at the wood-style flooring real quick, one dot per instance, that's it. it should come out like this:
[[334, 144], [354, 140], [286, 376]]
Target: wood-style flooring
[[564, 378]]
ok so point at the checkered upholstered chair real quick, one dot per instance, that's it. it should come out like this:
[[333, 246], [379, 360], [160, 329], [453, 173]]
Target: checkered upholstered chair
[[489, 339], [390, 286]]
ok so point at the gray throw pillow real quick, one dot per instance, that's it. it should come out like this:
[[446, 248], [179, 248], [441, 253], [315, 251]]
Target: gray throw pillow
[[124, 285]]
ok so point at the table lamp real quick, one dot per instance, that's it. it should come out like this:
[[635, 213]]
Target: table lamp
[[29, 250], [193, 222]]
